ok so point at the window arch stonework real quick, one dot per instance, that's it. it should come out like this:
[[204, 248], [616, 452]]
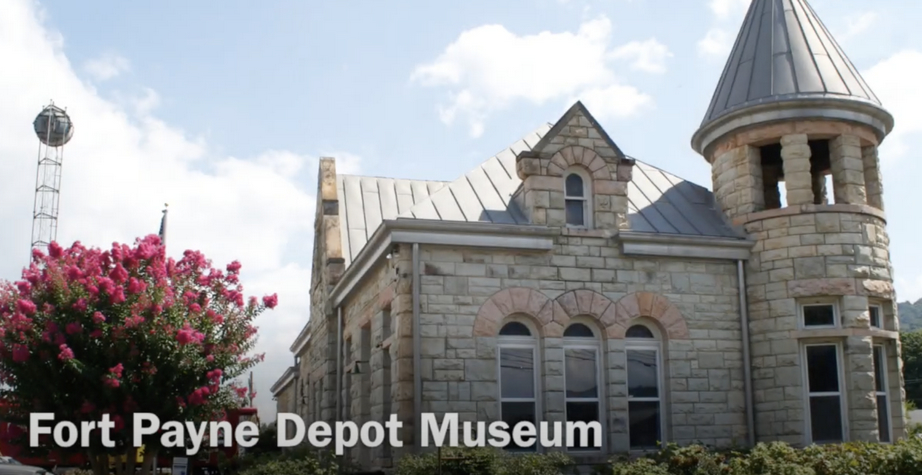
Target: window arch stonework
[[576, 155], [551, 317], [648, 305], [512, 301]]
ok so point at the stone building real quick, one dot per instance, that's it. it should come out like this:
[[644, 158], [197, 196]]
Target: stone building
[[562, 280]]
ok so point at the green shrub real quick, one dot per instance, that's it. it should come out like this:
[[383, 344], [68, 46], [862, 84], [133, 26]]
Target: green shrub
[[483, 461], [304, 466]]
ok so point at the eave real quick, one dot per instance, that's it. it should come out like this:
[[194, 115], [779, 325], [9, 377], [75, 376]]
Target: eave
[[283, 382]]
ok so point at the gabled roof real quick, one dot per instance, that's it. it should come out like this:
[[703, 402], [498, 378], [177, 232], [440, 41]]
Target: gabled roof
[[784, 50], [784, 53], [659, 202], [365, 201], [485, 193]]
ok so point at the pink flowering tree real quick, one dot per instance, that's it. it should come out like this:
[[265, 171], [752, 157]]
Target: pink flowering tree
[[88, 332]]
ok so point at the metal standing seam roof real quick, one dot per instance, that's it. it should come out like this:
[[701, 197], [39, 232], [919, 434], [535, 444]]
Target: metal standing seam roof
[[784, 52], [365, 201], [659, 202]]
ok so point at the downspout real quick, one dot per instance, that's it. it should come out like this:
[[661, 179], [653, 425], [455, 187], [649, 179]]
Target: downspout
[[747, 358], [417, 357], [339, 364]]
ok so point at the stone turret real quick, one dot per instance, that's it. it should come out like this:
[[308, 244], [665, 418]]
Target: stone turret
[[791, 116]]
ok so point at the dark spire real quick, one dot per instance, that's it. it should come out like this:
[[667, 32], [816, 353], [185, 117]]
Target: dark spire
[[783, 56]]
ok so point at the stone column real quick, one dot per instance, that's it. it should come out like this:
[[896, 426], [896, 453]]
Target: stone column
[[795, 152], [873, 181], [859, 389], [847, 170], [749, 181]]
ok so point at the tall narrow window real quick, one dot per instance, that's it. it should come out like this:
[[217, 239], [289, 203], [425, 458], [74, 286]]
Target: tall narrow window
[[386, 389], [824, 391], [363, 367], [582, 379], [576, 197], [644, 374], [516, 350], [876, 316], [883, 395], [347, 382]]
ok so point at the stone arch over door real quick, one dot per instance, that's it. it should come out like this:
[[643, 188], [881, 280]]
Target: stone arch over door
[[652, 306], [511, 301]]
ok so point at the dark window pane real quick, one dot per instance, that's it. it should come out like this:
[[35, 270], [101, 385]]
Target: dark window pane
[[879, 369], [575, 186], [514, 413], [644, 423], [826, 419], [578, 330], [819, 315], [642, 374], [575, 213], [583, 412], [515, 329], [875, 316], [883, 418], [638, 331], [822, 369], [517, 372], [581, 373]]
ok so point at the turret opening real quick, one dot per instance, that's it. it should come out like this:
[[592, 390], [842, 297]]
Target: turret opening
[[772, 174], [820, 170]]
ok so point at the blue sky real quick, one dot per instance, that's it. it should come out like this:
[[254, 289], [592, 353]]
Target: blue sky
[[222, 108]]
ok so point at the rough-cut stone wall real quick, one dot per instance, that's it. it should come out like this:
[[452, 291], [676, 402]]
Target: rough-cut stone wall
[[816, 251], [738, 181], [848, 170], [378, 323], [466, 295]]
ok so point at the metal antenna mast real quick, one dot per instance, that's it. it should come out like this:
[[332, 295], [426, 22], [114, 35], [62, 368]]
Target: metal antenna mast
[[54, 129]]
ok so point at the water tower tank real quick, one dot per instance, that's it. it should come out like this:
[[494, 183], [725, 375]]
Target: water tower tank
[[53, 126]]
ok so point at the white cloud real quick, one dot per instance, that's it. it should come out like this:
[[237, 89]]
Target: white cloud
[[894, 80], [123, 164], [724, 9], [715, 44], [488, 68], [106, 66], [614, 102], [858, 24], [648, 56]]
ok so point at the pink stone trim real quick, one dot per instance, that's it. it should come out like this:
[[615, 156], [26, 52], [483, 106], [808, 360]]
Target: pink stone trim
[[652, 306], [511, 301], [552, 316]]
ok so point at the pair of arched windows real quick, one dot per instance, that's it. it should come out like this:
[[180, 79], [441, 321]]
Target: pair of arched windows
[[583, 374]]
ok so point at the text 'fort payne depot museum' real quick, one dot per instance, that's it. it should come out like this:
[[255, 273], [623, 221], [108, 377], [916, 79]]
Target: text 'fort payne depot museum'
[[561, 280]]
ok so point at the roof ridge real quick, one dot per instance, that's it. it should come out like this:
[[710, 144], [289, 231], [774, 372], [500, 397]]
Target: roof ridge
[[420, 204]]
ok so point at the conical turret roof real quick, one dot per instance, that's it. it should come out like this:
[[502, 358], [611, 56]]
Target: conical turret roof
[[785, 65]]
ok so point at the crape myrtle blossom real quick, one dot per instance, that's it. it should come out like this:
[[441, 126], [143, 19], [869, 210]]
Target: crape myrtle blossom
[[89, 331]]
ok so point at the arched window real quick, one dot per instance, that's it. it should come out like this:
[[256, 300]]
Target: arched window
[[577, 199], [583, 380], [517, 355], [644, 387]]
